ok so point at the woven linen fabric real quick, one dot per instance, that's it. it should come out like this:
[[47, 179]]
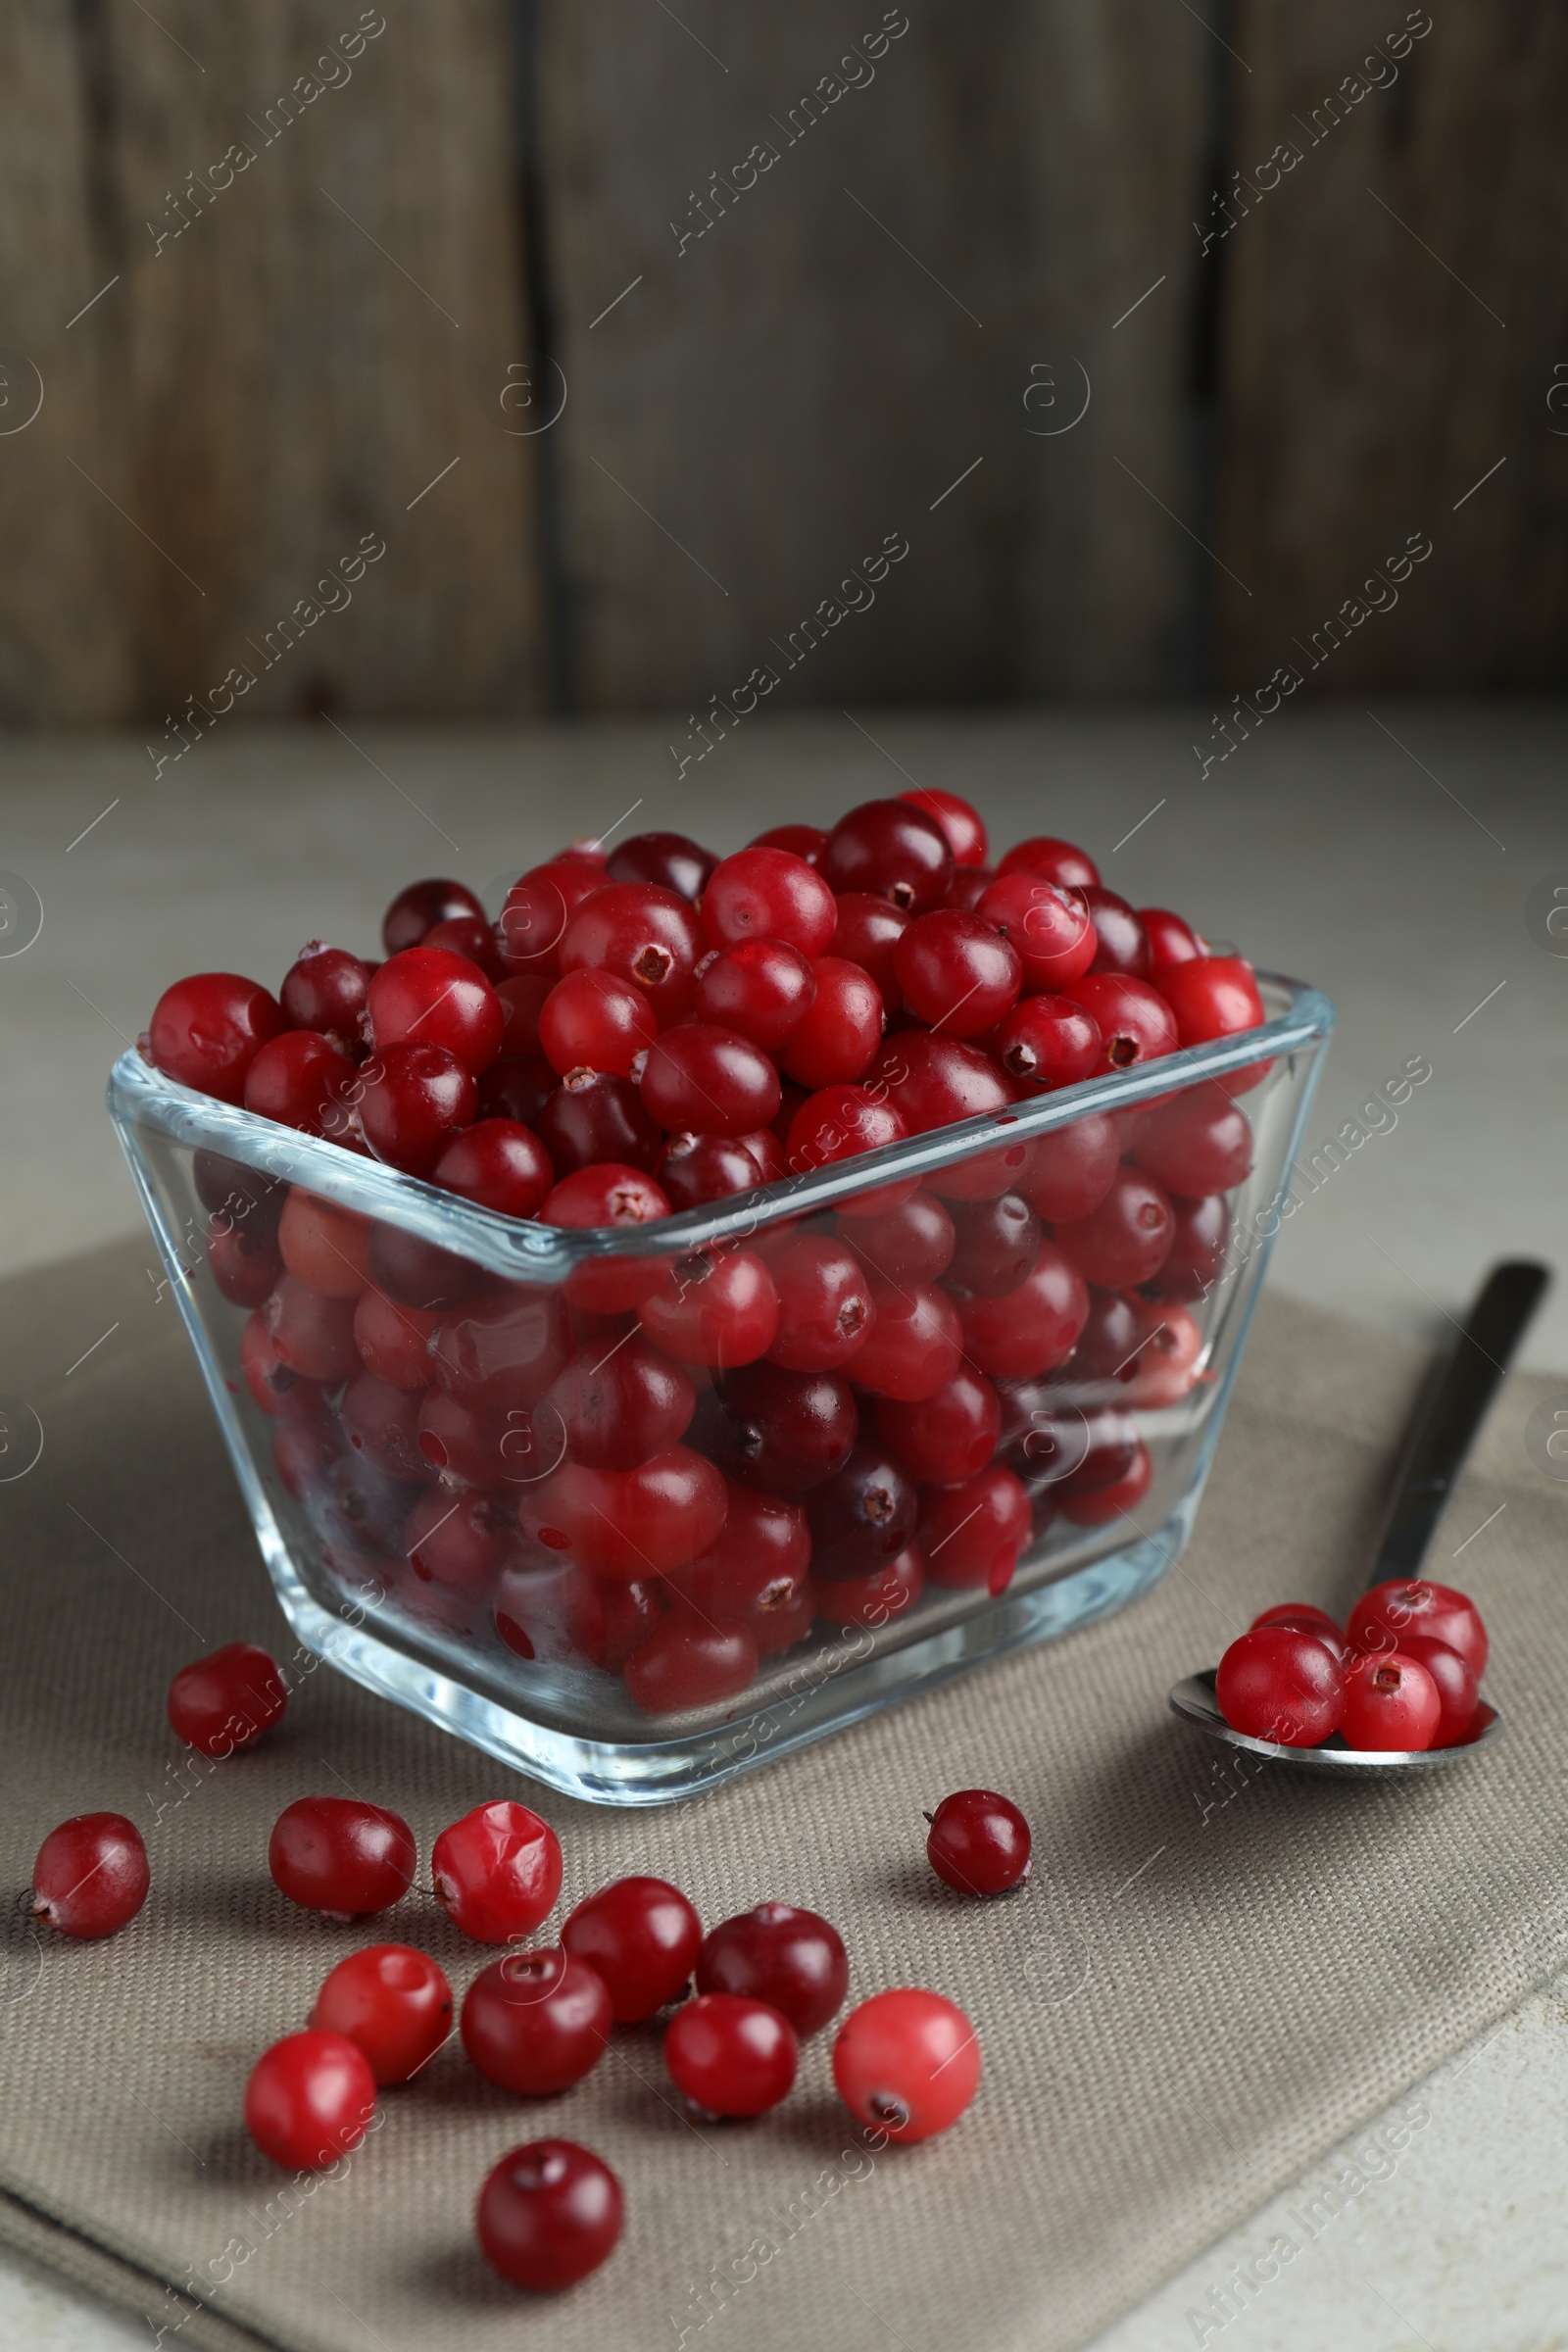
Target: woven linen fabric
[[1215, 1974]]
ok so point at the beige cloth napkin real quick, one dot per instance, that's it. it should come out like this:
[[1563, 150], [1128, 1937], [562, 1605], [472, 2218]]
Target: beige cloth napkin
[[1212, 1979]]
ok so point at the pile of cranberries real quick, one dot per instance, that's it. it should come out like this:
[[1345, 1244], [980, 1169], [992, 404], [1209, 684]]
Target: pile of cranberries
[[673, 1465], [1403, 1673], [905, 2063]]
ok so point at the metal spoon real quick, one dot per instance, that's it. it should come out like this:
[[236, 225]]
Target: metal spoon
[[1433, 1455]]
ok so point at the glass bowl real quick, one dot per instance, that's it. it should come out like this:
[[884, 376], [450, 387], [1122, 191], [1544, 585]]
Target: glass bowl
[[628, 1568]]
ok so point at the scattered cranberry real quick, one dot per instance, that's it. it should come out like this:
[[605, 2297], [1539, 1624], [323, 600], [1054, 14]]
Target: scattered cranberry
[[641, 1937], [1277, 1684], [497, 1872], [227, 1699], [1382, 1619], [392, 2002], [1390, 1702], [206, 1031], [730, 2055], [90, 1877], [792, 1960], [549, 2213], [340, 1856], [908, 2062], [310, 2099], [978, 1841], [536, 2022]]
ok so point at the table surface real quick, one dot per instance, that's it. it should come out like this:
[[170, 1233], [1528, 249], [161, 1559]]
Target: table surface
[[1389, 856]]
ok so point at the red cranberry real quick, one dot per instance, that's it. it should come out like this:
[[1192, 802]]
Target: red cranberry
[[609, 1193], [429, 996], [695, 1169], [593, 1118], [1108, 1344], [1070, 1170], [639, 933], [340, 1856], [1048, 1042], [522, 1001], [785, 1431], [1302, 1618], [1197, 1143], [914, 1242], [538, 908], [416, 911], [766, 1145], [877, 1598], [459, 1541], [1055, 860], [963, 825], [549, 2213], [948, 1438], [1390, 1702], [699, 1080], [90, 1876], [1127, 1239], [270, 1382], [838, 1124], [536, 2022], [563, 1615], [1212, 995], [768, 894], [1048, 927], [1099, 1506], [1170, 940], [792, 1960], [968, 887], [473, 937], [238, 1196], [244, 1265], [863, 1515], [302, 1080], [958, 972], [324, 988], [325, 1246], [313, 1336], [227, 1699], [667, 859], [978, 1841], [802, 841], [498, 1164], [629, 1524], [1197, 1253], [1382, 1618], [591, 1020], [837, 1039], [1277, 1684], [761, 988], [393, 2003], [640, 1936], [1135, 1023], [1123, 943], [205, 1032], [914, 1345], [720, 1310], [414, 1099], [622, 1402], [756, 1568], [1455, 1683], [906, 2063], [825, 1307], [310, 2099], [686, 1664], [972, 1535], [997, 1243], [381, 1423], [497, 1872], [730, 2055], [1031, 1329], [517, 1085], [893, 850], [932, 1081], [868, 932]]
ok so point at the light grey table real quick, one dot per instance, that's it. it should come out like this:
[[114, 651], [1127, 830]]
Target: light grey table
[[1389, 856]]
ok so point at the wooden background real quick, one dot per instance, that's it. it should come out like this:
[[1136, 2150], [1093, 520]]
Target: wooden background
[[369, 333]]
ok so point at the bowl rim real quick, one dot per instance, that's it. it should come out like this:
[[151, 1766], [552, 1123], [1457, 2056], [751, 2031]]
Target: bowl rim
[[140, 1096]]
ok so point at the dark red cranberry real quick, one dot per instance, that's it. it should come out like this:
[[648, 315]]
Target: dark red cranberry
[[205, 1032], [238, 1196], [1047, 1042], [667, 859], [538, 906], [1201, 1237], [802, 841], [912, 1242], [1109, 1346], [694, 1169], [1134, 1021], [593, 1119], [1031, 1329], [1127, 1239], [413, 1100], [536, 2022], [717, 1307], [245, 1266], [997, 1243], [863, 1515], [1053, 860], [1170, 940], [416, 910], [869, 930], [932, 1081], [506, 1345], [973, 1533], [838, 1124], [640, 933], [836, 1040], [968, 887], [517, 1087], [762, 988], [957, 974], [340, 1856], [914, 1343], [456, 1541], [90, 1876], [1123, 943], [394, 1340], [499, 1164], [783, 1431], [302, 1080], [471, 936], [963, 825], [978, 1842], [324, 988], [699, 1080], [688, 1664], [522, 1001], [793, 1960], [893, 850], [382, 1423], [1072, 1170], [1455, 1683], [429, 996], [1198, 1141], [416, 1272], [874, 1599], [731, 2056], [314, 1336], [549, 2213], [948, 1438], [825, 1305], [622, 1402], [641, 1937], [227, 1699], [561, 1615], [756, 1567]]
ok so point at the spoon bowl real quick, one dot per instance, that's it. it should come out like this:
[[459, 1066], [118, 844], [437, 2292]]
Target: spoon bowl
[[1194, 1703]]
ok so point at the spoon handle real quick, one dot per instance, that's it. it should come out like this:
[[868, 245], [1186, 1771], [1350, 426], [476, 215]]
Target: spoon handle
[[1440, 1439]]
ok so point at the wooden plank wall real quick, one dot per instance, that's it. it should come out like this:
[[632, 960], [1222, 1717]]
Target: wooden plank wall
[[815, 281]]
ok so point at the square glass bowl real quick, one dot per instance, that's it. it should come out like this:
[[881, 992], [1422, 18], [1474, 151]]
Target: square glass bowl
[[630, 1569]]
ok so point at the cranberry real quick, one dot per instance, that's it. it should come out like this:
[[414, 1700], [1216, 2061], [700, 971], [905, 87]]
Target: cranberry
[[963, 825], [272, 1384], [785, 1431], [1122, 942], [863, 1515], [756, 1568], [1170, 940], [536, 2022], [634, 1523], [838, 1037], [686, 1664], [521, 1002], [718, 1310], [1031, 1329], [244, 1265], [499, 1164], [766, 1145], [1212, 995], [416, 911], [314, 1336], [340, 1856], [502, 1348], [825, 1307], [381, 1422], [973, 1533], [906, 2063], [1055, 860], [429, 996], [609, 1193], [392, 2002], [622, 1402], [238, 1196], [1275, 1683], [1197, 1143], [327, 1247], [958, 972], [1382, 1618], [997, 1243], [560, 1614], [878, 1596], [205, 1032], [968, 887], [497, 1871], [1071, 1169], [1049, 928], [413, 1098], [1455, 1683], [868, 931], [640, 1937], [591, 1020], [517, 1085], [1048, 1042], [324, 988], [912, 1242], [667, 859], [932, 1081], [1135, 1023], [549, 2213], [472, 937], [538, 908], [948, 1438], [639, 933], [1390, 1702], [227, 1699], [792, 1960], [700, 1080], [802, 841], [1125, 1239], [1108, 1344], [768, 894], [459, 1541], [1302, 1618], [1165, 1368], [594, 1117], [695, 1169], [301, 1080], [730, 2055], [914, 1345], [978, 1841], [310, 2099], [838, 1124], [1197, 1251], [893, 850], [90, 1876], [1088, 1503], [761, 988]]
